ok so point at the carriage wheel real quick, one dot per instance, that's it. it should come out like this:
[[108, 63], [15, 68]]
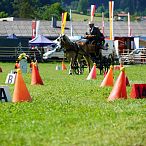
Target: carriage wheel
[[82, 67], [76, 68]]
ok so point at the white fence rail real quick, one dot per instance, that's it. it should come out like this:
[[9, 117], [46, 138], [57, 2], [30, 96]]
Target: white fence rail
[[137, 56], [11, 53]]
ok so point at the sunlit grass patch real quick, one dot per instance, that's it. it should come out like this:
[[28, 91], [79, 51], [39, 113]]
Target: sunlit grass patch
[[69, 110]]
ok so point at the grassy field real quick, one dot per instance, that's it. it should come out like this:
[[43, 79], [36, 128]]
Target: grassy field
[[81, 17], [71, 111]]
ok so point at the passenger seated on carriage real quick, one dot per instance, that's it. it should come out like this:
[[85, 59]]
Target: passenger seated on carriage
[[94, 36]]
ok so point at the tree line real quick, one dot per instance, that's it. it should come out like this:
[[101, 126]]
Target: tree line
[[45, 9]]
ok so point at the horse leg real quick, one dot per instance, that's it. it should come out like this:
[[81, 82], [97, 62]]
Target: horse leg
[[71, 56], [70, 60], [102, 65], [89, 63], [70, 69], [81, 68], [80, 64]]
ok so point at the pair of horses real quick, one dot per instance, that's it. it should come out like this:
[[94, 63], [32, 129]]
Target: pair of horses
[[77, 50]]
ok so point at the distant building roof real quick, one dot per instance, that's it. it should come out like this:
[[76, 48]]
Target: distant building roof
[[23, 28]]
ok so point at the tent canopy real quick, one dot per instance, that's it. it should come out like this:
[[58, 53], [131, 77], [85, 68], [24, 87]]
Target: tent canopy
[[12, 36], [41, 41]]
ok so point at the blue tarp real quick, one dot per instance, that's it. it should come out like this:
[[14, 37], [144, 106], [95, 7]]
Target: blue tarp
[[40, 41]]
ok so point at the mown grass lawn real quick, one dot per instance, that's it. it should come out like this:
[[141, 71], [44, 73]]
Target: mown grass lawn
[[81, 17], [71, 111]]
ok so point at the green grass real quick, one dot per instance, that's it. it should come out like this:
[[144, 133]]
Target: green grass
[[71, 111], [81, 17]]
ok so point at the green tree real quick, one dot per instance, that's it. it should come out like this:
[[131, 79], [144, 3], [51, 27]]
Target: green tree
[[53, 10], [106, 13], [101, 9], [26, 8], [3, 14], [144, 13], [82, 6], [23, 9], [74, 5]]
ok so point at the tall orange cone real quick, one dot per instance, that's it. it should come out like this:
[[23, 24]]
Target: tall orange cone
[[63, 66], [21, 93], [108, 80], [121, 65], [117, 67], [17, 65], [92, 74], [119, 89], [35, 76]]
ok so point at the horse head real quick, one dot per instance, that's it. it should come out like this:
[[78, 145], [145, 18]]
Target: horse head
[[64, 41]]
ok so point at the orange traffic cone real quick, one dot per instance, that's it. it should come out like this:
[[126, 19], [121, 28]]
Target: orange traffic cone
[[35, 77], [127, 81], [63, 66], [117, 67], [20, 91], [119, 89], [121, 65], [17, 65], [92, 74], [108, 80]]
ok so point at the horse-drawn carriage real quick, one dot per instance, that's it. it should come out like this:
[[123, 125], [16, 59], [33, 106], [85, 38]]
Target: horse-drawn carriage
[[78, 52]]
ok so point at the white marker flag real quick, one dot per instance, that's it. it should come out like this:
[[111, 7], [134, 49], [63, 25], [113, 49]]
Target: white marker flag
[[93, 8]]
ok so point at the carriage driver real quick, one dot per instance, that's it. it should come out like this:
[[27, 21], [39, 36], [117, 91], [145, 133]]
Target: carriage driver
[[94, 36]]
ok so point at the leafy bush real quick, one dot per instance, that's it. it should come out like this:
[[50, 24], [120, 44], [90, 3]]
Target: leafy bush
[[3, 14]]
